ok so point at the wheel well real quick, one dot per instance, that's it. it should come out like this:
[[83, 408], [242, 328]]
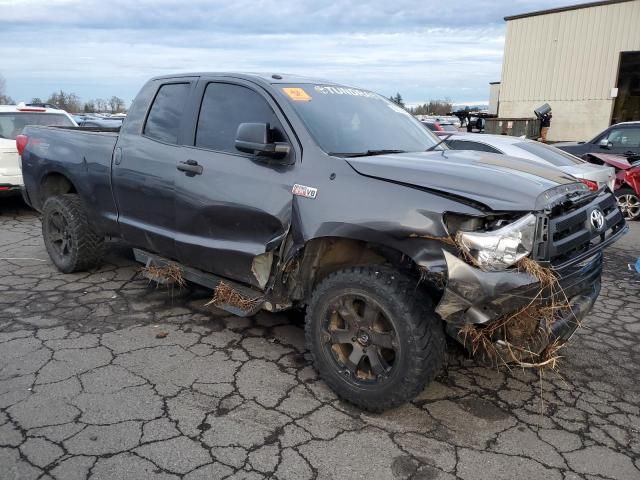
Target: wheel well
[[55, 184], [322, 256]]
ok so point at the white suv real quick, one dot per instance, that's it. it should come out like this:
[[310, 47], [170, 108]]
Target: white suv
[[13, 118]]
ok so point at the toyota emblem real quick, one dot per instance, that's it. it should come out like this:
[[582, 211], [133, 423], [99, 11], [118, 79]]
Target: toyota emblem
[[597, 219]]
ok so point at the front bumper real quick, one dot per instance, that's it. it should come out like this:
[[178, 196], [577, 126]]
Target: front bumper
[[475, 297]]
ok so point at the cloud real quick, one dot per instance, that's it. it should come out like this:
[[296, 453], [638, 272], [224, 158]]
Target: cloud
[[100, 48]]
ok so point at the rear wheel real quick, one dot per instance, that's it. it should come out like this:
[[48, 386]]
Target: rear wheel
[[71, 241], [374, 336], [629, 203]]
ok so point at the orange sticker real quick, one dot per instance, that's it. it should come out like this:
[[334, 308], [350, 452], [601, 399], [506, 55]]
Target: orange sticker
[[297, 94]]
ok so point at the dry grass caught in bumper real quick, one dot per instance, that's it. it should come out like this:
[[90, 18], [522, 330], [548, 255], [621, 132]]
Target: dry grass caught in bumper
[[523, 337], [170, 274], [225, 294]]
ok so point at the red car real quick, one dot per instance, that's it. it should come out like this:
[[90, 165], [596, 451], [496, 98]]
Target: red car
[[627, 188]]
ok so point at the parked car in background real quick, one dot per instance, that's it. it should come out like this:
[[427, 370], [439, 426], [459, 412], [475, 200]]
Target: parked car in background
[[594, 176], [627, 188], [443, 119], [438, 128], [432, 125], [622, 138], [93, 122], [449, 127], [628, 194], [13, 119]]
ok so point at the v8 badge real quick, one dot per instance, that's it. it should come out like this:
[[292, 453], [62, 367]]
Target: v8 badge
[[304, 191]]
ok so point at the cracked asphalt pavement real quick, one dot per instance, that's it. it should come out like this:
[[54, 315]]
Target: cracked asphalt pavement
[[105, 376]]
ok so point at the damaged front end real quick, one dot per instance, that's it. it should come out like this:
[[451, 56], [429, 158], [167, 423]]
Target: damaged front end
[[522, 284]]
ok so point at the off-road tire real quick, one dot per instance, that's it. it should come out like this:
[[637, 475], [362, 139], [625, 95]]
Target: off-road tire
[[85, 244], [419, 334]]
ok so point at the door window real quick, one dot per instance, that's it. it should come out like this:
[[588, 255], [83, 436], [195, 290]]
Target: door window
[[224, 107], [624, 137], [163, 122]]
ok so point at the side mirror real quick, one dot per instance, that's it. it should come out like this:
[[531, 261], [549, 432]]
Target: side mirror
[[255, 138], [605, 143]]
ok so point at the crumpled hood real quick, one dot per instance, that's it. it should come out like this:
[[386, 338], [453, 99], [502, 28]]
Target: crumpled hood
[[497, 181]]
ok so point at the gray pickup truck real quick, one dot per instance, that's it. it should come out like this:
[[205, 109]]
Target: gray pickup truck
[[280, 192]]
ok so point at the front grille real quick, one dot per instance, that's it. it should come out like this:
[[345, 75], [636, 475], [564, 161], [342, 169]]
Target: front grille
[[564, 234]]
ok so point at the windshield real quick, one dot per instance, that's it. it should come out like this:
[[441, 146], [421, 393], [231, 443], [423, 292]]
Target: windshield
[[553, 155], [12, 124], [349, 121]]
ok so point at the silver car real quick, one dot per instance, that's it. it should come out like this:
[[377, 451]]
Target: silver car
[[594, 176]]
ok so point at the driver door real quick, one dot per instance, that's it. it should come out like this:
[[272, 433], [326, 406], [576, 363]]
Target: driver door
[[233, 209]]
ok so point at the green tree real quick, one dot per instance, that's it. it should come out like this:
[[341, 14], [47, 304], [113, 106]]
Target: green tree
[[397, 99]]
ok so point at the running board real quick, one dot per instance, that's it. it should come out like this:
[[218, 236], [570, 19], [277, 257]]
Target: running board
[[252, 301]]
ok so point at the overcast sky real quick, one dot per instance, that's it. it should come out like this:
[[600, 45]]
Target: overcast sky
[[98, 48]]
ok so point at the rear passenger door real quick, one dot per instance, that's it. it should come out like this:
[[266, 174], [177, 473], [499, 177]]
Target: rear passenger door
[[232, 215], [144, 170]]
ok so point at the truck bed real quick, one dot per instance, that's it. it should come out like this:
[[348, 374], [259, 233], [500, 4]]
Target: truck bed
[[82, 155], [110, 131]]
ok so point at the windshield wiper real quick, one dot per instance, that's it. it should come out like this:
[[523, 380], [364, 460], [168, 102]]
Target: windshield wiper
[[444, 139], [368, 153]]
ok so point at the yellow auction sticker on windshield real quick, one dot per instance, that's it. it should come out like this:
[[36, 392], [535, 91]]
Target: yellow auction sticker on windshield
[[297, 94]]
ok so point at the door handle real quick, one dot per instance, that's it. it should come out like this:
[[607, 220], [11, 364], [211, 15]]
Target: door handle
[[190, 167], [117, 156]]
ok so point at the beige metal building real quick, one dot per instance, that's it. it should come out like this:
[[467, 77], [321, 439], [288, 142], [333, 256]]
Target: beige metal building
[[583, 60]]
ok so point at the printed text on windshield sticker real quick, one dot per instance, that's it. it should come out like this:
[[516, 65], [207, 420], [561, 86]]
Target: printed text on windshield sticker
[[297, 94], [353, 92]]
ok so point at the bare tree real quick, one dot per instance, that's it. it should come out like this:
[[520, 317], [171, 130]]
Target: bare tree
[[4, 98], [116, 104], [434, 107], [66, 101], [90, 107], [101, 105]]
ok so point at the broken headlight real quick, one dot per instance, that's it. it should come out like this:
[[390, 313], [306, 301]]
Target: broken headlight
[[498, 249]]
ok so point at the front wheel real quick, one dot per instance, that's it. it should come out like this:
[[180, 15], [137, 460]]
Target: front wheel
[[71, 241], [374, 336], [629, 203]]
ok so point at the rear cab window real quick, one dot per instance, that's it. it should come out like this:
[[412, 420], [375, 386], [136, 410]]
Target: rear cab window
[[12, 123], [165, 115]]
